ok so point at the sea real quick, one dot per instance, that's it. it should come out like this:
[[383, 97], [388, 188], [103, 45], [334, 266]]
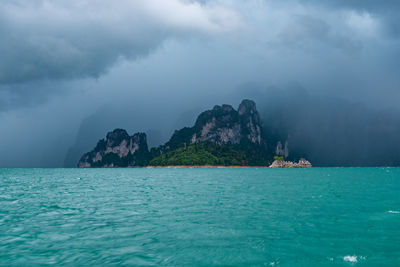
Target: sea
[[200, 217]]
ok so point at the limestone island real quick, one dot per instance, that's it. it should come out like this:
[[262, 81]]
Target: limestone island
[[221, 137]]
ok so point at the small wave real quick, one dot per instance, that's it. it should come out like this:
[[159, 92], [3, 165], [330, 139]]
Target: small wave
[[350, 259], [394, 211], [353, 259]]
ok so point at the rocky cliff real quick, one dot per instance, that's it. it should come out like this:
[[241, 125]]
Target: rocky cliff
[[118, 150], [220, 136], [282, 151], [240, 129], [222, 125]]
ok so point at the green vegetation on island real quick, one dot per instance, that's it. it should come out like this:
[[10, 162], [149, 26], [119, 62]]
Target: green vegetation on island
[[201, 154]]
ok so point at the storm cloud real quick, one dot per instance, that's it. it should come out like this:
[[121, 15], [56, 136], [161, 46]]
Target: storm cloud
[[63, 39], [71, 67]]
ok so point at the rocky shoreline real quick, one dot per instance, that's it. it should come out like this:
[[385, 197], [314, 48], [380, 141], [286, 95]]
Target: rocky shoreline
[[302, 163]]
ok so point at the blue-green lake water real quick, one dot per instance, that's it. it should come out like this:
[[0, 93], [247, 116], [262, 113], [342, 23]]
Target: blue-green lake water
[[200, 217]]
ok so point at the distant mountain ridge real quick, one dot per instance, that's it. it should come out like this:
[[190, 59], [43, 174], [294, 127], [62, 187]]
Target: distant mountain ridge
[[220, 136]]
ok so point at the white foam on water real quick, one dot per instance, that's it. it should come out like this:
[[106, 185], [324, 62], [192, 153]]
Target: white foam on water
[[350, 258], [394, 211], [354, 258]]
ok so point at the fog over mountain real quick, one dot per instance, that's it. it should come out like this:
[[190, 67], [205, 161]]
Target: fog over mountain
[[324, 74]]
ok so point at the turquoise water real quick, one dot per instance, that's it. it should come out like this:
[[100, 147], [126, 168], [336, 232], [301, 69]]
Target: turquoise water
[[200, 217]]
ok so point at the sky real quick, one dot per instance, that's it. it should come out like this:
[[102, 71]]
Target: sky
[[72, 70]]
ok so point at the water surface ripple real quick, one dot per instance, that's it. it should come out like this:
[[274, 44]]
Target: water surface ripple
[[200, 217]]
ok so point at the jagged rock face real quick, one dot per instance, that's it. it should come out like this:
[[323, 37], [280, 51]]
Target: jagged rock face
[[117, 150], [282, 151], [220, 125], [250, 121], [224, 125]]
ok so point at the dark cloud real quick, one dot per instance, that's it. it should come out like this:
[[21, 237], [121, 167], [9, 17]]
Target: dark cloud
[[303, 30], [332, 131], [47, 40], [156, 64], [358, 4], [387, 10], [30, 94]]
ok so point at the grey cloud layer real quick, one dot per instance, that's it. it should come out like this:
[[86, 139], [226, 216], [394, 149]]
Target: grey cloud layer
[[62, 39], [52, 40], [46, 43], [359, 4], [155, 59], [387, 10]]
